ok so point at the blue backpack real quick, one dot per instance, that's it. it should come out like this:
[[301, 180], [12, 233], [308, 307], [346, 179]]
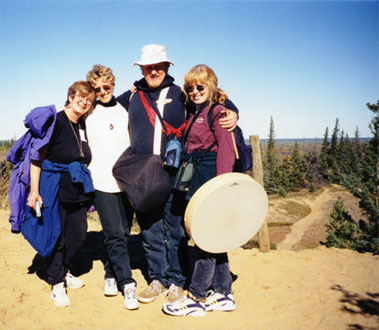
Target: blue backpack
[[245, 160]]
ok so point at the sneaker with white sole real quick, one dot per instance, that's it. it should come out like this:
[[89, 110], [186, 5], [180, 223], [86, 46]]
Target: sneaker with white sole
[[218, 302], [185, 306], [152, 292], [130, 296], [110, 287], [73, 282], [174, 293], [59, 295]]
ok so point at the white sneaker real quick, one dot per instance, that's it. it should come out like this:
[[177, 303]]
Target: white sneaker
[[110, 287], [218, 302], [59, 295], [130, 296], [73, 282]]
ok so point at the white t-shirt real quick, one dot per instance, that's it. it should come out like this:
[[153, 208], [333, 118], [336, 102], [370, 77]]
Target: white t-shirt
[[108, 137]]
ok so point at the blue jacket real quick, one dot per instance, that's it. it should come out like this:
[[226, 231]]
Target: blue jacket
[[42, 233], [41, 122]]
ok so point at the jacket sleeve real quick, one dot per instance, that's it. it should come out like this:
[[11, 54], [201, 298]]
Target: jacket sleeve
[[231, 106], [225, 150], [123, 99]]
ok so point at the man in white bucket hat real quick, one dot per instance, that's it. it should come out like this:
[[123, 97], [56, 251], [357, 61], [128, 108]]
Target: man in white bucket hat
[[157, 115], [153, 54]]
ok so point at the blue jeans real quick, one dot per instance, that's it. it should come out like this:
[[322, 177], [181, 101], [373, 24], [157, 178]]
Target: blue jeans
[[116, 216], [211, 272], [164, 243]]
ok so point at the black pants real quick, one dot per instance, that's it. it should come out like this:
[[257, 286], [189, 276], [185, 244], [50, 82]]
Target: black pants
[[116, 215], [73, 218]]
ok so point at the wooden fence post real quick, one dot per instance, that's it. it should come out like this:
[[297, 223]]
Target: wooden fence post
[[263, 237]]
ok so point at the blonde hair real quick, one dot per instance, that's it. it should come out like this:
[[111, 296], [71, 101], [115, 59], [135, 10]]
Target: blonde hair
[[100, 71], [203, 74], [81, 88]]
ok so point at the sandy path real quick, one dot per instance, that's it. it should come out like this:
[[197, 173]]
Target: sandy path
[[301, 226], [318, 289]]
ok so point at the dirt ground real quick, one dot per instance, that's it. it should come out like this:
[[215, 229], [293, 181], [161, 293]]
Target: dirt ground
[[289, 288]]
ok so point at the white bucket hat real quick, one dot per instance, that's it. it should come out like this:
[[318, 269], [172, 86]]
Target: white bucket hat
[[152, 54]]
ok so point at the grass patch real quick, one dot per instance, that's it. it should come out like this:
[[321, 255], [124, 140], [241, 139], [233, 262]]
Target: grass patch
[[297, 209], [279, 224], [253, 244]]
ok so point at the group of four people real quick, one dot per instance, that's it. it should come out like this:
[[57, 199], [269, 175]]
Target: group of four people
[[95, 134]]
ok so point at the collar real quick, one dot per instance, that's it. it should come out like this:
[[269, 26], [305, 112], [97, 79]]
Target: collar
[[111, 103], [142, 84]]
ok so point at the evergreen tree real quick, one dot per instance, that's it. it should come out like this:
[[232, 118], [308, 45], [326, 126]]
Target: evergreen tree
[[272, 175], [341, 228], [285, 182], [333, 155], [324, 157], [310, 165], [296, 168]]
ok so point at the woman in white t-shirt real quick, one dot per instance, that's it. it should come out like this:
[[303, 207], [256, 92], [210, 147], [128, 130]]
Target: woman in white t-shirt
[[108, 137]]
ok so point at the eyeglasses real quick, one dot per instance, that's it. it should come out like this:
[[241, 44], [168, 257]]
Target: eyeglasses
[[200, 88], [84, 99], [156, 67], [106, 88]]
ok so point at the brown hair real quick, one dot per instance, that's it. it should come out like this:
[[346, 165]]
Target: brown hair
[[81, 88], [204, 74], [100, 71]]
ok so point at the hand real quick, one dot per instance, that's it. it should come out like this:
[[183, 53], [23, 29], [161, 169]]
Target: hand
[[33, 197], [229, 121]]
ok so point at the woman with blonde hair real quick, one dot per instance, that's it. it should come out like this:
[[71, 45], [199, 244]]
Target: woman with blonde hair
[[108, 137], [212, 150]]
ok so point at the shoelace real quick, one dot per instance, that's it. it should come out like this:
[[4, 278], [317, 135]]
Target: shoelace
[[155, 286], [130, 293], [174, 290]]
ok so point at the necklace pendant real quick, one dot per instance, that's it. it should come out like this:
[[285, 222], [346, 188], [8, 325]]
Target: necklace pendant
[[110, 126]]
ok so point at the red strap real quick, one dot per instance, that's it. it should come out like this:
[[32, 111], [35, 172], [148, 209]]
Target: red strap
[[151, 114]]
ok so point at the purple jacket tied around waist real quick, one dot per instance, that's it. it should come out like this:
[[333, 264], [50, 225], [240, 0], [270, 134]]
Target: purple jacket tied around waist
[[40, 123]]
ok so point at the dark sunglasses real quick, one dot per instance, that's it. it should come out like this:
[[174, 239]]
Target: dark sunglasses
[[190, 89], [107, 88]]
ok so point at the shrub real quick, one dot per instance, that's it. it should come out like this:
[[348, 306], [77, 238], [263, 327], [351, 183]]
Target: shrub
[[344, 232], [5, 172]]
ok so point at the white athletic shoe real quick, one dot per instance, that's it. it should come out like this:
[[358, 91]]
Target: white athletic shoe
[[218, 302], [59, 295], [110, 287], [130, 296], [73, 282]]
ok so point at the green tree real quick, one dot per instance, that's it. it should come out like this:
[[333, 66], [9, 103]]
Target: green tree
[[333, 155], [324, 157], [296, 168], [272, 175], [341, 228]]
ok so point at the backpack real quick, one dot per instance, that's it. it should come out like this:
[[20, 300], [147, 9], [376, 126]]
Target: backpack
[[244, 162]]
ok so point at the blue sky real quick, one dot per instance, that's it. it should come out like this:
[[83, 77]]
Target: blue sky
[[303, 63]]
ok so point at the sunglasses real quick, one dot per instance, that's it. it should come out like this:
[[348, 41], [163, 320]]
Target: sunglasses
[[200, 88], [107, 88]]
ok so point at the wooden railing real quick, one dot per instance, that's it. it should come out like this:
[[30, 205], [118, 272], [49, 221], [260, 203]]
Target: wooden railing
[[263, 237]]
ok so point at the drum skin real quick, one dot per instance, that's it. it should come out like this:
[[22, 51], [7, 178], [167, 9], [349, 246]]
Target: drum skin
[[226, 212]]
